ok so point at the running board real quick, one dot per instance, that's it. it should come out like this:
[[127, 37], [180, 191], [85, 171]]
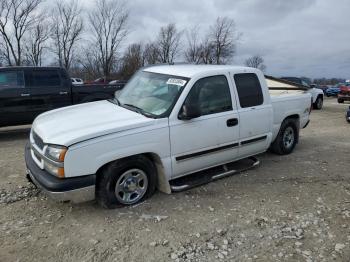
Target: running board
[[212, 174]]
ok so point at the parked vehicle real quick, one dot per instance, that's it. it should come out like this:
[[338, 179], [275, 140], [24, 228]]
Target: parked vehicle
[[344, 93], [333, 91], [171, 127], [26, 92], [347, 115], [322, 87], [100, 81], [77, 81], [317, 94], [114, 82]]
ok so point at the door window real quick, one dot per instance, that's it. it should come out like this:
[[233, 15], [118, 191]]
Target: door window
[[211, 94], [11, 79], [249, 90], [46, 78]]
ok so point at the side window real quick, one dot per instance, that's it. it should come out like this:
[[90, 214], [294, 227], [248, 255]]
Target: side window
[[249, 90], [45, 78], [212, 94], [11, 79]]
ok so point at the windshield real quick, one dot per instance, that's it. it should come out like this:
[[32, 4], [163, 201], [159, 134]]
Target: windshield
[[152, 93]]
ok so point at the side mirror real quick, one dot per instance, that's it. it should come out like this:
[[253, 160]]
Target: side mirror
[[189, 112]]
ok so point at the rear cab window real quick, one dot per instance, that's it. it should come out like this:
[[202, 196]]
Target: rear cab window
[[45, 78], [249, 90], [11, 79]]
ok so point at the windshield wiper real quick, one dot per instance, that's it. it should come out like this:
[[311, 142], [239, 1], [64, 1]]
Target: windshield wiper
[[115, 101], [139, 110]]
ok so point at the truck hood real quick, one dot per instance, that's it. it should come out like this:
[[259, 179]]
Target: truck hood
[[73, 124]]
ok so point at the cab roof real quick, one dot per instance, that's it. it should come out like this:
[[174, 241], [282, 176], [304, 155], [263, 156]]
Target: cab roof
[[193, 70]]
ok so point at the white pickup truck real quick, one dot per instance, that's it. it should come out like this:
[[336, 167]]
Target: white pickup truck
[[316, 94], [170, 128]]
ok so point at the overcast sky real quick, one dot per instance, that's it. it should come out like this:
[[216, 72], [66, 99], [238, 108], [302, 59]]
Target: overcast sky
[[295, 37]]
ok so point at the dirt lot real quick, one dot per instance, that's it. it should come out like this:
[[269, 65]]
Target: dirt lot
[[291, 208]]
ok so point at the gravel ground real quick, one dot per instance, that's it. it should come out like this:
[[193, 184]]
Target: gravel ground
[[291, 208]]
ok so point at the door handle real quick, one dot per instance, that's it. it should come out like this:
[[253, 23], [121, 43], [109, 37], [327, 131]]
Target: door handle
[[232, 122], [23, 95], [63, 93]]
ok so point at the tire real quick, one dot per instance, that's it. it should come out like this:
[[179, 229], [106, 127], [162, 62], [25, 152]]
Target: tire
[[340, 101], [126, 182], [318, 103], [287, 138]]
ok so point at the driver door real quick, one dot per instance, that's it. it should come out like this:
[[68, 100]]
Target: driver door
[[212, 138]]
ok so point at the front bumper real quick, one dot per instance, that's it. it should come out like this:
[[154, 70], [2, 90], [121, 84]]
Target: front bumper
[[76, 189], [344, 97]]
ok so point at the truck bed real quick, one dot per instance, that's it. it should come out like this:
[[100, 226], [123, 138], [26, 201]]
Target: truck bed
[[285, 98], [280, 90]]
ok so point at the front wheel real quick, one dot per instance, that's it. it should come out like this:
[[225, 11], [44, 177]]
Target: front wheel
[[287, 138], [340, 101], [126, 182]]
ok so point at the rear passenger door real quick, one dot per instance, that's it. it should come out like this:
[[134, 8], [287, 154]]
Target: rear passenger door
[[48, 90], [15, 98], [255, 113]]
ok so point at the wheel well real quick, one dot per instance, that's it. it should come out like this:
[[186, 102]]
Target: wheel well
[[320, 95], [162, 181], [295, 118]]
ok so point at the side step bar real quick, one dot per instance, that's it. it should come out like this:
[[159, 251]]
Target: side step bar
[[212, 174]]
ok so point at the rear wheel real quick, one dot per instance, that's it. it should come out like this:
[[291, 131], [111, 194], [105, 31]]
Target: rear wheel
[[287, 138], [318, 103], [126, 182], [341, 101]]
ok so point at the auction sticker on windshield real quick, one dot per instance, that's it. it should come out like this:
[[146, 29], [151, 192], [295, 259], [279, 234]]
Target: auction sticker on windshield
[[176, 81]]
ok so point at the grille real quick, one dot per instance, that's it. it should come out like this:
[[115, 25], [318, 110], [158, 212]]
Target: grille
[[38, 141]]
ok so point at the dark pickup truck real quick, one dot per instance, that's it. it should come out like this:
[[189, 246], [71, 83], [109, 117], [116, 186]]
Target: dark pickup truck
[[26, 92]]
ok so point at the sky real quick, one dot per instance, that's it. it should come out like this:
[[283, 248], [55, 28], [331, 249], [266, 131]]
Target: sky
[[295, 37]]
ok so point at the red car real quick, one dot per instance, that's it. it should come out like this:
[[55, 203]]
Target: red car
[[344, 94]]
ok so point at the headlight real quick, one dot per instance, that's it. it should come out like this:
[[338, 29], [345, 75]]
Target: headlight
[[54, 170], [56, 153]]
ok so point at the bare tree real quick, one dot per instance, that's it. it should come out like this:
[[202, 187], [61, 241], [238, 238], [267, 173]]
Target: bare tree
[[108, 21], [5, 56], [223, 38], [207, 52], [36, 43], [90, 62], [2, 55], [168, 43], [67, 27], [132, 61], [151, 54], [194, 51], [16, 18], [256, 61]]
